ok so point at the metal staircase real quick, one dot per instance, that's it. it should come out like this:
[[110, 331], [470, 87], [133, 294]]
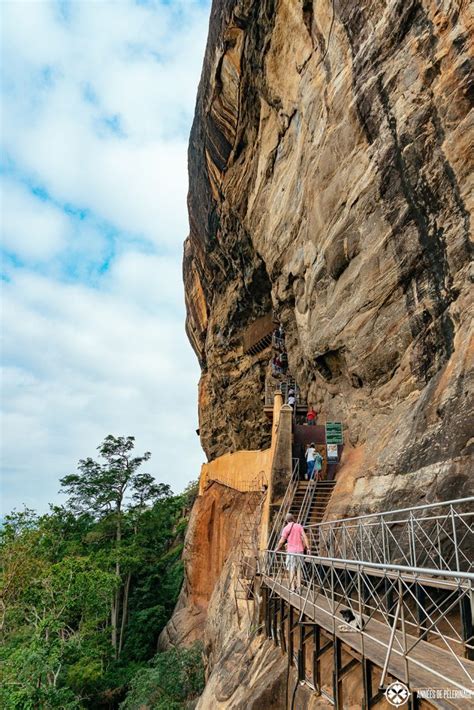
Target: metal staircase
[[310, 501], [248, 551]]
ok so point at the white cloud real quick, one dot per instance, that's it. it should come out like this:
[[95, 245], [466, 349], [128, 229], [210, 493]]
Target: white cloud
[[80, 364], [31, 228], [142, 66], [97, 103]]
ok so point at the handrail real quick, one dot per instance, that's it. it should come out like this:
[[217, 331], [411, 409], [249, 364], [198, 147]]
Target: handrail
[[410, 571], [439, 541], [307, 500], [396, 521], [282, 386], [470, 499]]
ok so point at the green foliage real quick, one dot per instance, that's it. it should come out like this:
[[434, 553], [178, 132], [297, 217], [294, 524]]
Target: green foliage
[[173, 679], [66, 576]]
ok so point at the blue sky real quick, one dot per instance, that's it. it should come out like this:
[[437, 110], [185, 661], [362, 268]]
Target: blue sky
[[97, 104]]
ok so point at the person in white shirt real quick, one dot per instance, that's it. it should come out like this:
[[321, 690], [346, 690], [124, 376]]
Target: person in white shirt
[[291, 398], [310, 460]]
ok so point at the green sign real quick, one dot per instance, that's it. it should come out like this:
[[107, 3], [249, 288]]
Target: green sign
[[334, 433]]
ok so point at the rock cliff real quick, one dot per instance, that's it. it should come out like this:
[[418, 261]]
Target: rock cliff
[[330, 165]]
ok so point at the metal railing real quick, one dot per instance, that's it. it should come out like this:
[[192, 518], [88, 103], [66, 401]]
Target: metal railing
[[283, 386], [307, 502], [285, 506], [413, 620], [248, 547], [437, 535]]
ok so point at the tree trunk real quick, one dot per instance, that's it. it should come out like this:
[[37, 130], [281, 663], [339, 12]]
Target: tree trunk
[[124, 612], [113, 621], [116, 600]]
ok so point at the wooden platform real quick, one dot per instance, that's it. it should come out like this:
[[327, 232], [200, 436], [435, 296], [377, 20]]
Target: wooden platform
[[375, 648]]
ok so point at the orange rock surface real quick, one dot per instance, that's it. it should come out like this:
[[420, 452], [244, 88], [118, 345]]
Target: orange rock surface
[[213, 532]]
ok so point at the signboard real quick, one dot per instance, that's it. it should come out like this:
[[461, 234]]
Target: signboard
[[332, 453], [334, 433]]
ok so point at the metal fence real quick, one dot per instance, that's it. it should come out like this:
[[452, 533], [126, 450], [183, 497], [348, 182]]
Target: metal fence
[[415, 622], [438, 536], [284, 386]]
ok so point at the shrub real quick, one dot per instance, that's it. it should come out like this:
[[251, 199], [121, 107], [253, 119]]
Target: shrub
[[174, 678]]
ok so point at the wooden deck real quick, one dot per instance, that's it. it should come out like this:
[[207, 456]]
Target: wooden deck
[[374, 647]]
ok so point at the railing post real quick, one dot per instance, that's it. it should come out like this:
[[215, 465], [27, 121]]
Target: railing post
[[361, 609], [404, 633], [438, 542], [455, 539], [333, 609], [384, 546], [411, 540]]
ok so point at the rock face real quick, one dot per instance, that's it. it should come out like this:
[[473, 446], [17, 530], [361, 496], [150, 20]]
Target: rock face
[[213, 533], [329, 167], [329, 163]]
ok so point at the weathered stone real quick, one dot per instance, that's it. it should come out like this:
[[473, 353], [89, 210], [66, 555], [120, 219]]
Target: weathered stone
[[213, 531], [329, 177], [330, 167]]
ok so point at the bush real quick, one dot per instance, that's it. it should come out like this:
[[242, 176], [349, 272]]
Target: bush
[[174, 678]]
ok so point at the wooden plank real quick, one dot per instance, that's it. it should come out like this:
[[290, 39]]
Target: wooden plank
[[375, 647]]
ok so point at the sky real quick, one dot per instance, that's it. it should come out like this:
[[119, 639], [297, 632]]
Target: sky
[[97, 103]]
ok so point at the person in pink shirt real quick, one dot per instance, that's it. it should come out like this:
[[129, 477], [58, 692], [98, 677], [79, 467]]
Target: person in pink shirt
[[294, 536]]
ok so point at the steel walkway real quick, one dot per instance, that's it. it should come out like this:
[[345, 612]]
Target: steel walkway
[[417, 618]]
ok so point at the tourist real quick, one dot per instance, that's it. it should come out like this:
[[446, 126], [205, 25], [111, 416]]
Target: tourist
[[291, 398], [311, 417], [318, 465], [276, 370], [279, 338], [294, 536], [310, 456]]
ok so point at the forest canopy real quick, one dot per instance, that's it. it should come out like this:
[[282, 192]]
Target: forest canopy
[[87, 588]]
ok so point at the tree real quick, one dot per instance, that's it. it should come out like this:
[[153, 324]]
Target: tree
[[100, 488], [54, 613], [174, 679], [59, 582]]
